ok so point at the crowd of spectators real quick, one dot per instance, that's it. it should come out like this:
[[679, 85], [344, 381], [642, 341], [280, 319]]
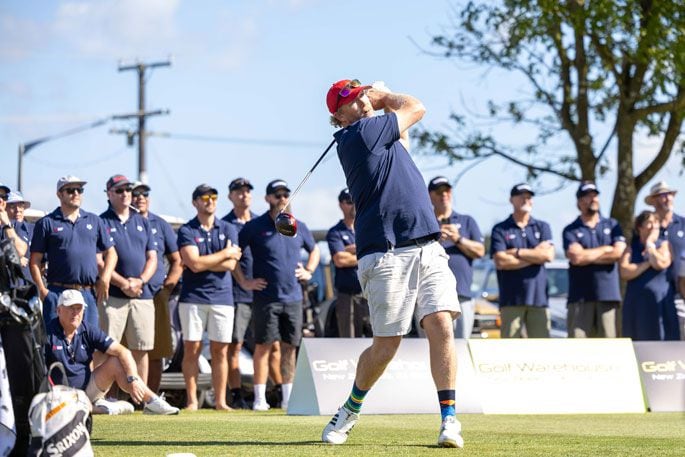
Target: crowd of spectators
[[117, 271]]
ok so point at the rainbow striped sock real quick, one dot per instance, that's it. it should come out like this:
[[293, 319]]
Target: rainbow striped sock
[[446, 399], [355, 400]]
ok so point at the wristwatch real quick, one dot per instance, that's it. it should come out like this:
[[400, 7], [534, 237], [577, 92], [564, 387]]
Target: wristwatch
[[130, 379]]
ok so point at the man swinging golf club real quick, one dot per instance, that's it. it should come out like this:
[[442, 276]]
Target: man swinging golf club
[[402, 268]]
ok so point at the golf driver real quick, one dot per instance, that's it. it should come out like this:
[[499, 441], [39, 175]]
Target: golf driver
[[286, 224]]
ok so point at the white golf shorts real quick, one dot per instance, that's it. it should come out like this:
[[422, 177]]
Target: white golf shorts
[[408, 281], [217, 319]]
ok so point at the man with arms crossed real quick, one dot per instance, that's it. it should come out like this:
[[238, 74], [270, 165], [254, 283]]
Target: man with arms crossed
[[208, 248], [593, 245], [403, 270]]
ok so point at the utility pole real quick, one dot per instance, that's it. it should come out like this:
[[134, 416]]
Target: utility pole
[[141, 68]]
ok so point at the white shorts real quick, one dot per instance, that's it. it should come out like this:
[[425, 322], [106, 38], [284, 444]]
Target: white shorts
[[405, 281], [217, 319]]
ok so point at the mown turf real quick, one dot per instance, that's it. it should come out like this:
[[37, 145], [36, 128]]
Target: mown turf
[[211, 433]]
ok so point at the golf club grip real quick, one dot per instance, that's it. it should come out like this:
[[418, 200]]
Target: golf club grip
[[309, 173]]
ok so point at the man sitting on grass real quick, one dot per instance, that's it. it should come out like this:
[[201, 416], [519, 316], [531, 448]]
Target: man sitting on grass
[[72, 342]]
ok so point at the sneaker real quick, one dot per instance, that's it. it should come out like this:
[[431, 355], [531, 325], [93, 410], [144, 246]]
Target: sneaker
[[112, 407], [260, 406], [338, 429], [450, 433], [159, 405]]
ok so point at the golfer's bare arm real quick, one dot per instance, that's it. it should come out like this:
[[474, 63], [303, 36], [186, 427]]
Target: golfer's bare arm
[[409, 110]]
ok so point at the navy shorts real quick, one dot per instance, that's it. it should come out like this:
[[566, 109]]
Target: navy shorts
[[277, 321]]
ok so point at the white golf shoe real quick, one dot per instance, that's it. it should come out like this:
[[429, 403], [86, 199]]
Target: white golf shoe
[[159, 406], [450, 433], [112, 407], [261, 405], [338, 429]]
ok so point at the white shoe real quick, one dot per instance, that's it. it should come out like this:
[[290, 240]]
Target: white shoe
[[112, 407], [450, 433], [260, 405], [159, 405], [338, 429]]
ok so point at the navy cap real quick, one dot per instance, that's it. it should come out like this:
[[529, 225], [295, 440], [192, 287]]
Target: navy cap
[[438, 181], [521, 188], [118, 181], [239, 183], [276, 184], [344, 195], [585, 188], [203, 189]]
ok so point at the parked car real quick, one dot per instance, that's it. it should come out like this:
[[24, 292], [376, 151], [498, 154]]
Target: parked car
[[485, 282]]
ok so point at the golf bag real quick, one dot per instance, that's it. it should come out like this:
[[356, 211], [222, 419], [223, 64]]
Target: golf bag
[[59, 421], [22, 335]]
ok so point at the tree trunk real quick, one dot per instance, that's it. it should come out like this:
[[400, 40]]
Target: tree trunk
[[623, 206]]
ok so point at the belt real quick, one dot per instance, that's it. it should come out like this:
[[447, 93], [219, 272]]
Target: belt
[[71, 286], [415, 242]]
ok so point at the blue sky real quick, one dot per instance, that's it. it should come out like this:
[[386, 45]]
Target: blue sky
[[256, 70]]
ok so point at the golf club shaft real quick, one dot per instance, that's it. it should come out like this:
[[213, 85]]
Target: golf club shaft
[[306, 177]]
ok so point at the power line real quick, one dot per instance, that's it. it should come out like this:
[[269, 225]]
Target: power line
[[228, 139]]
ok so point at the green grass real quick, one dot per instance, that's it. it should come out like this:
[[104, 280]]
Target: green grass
[[244, 433]]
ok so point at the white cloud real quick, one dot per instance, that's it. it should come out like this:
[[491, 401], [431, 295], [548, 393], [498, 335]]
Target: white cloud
[[18, 37]]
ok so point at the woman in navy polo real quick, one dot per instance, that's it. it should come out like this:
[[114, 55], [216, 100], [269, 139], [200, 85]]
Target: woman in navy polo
[[648, 310]]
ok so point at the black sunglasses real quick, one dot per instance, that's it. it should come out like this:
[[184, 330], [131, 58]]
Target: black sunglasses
[[4, 196], [73, 190], [141, 193], [122, 190], [282, 195]]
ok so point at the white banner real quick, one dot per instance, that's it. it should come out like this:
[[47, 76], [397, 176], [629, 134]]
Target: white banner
[[326, 370], [551, 376]]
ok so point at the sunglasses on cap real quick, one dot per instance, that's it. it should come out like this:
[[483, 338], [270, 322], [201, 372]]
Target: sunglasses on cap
[[121, 190], [207, 197], [73, 190], [347, 90], [141, 193], [282, 195]]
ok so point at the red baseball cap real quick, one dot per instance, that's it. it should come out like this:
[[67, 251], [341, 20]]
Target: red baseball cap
[[334, 100]]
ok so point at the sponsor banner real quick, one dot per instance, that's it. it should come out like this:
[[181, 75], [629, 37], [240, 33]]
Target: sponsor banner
[[662, 367], [326, 369], [557, 376]]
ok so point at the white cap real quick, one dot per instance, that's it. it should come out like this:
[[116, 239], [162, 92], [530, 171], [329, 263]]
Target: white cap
[[71, 297], [17, 197], [69, 179]]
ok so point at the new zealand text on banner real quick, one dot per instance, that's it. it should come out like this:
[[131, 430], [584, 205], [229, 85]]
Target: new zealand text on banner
[[326, 369], [557, 376], [662, 366]]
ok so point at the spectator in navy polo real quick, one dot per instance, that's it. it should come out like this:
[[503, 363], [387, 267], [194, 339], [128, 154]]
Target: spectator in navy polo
[[130, 310], [671, 228], [162, 282], [240, 196], [7, 229], [72, 238], [593, 245], [209, 251], [16, 205], [463, 242], [72, 342], [351, 308], [277, 306], [521, 245]]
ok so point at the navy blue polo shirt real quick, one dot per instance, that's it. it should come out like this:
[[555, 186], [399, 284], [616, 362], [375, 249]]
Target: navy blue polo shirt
[[386, 186], [241, 295], [346, 279], [593, 282], [675, 234], [75, 357], [207, 287], [71, 247], [275, 258], [461, 264], [25, 232], [165, 244], [132, 239], [528, 285]]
